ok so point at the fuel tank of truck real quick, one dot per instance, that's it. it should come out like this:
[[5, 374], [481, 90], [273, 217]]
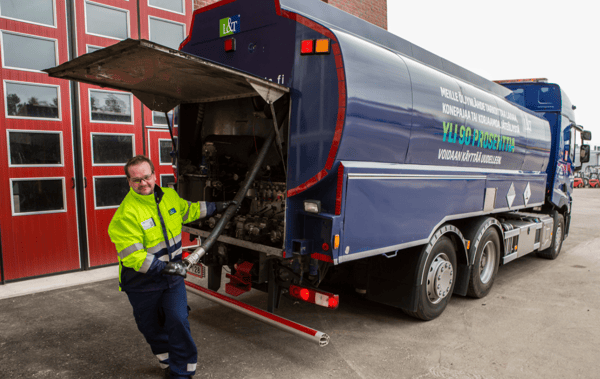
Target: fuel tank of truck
[[402, 111]]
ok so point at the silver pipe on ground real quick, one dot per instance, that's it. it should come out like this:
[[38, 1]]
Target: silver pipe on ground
[[258, 314], [212, 238]]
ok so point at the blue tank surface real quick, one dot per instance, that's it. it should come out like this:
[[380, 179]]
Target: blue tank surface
[[423, 141], [416, 135]]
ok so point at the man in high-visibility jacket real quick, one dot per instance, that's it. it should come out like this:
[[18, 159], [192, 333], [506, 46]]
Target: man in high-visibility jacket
[[146, 230]]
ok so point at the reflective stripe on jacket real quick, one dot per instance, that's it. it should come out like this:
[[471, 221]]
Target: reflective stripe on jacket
[[140, 233]]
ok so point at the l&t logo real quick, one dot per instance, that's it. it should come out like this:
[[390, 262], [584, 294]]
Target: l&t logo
[[229, 25]]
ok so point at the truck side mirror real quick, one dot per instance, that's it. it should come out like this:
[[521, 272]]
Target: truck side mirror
[[584, 154], [586, 135]]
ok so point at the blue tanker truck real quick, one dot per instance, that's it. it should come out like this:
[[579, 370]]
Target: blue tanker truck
[[351, 155]]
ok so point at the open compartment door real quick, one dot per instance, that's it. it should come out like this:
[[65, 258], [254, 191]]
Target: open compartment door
[[162, 77]]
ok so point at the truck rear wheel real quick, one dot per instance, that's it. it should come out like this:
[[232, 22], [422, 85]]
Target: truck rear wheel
[[485, 264], [557, 238], [439, 276]]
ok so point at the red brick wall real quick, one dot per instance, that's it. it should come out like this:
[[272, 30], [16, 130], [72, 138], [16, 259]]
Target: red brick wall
[[374, 11]]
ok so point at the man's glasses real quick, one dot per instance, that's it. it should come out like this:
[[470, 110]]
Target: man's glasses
[[139, 180]]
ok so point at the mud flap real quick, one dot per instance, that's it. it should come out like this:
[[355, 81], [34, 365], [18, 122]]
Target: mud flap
[[462, 279], [395, 281]]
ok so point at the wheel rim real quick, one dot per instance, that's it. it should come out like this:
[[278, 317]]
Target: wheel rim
[[557, 239], [440, 277], [487, 263]]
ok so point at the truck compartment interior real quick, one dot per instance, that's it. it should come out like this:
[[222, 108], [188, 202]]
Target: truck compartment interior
[[220, 142]]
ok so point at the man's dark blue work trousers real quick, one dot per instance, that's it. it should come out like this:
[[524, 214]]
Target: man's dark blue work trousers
[[162, 317]]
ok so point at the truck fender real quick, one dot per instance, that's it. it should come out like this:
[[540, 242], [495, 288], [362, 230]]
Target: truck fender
[[397, 280], [462, 258], [475, 229]]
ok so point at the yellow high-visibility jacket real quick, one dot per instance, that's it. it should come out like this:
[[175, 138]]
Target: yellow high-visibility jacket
[[146, 230]]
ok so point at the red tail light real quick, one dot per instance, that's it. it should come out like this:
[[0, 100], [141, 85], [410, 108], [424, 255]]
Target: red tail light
[[307, 47], [230, 44], [324, 299], [340, 186]]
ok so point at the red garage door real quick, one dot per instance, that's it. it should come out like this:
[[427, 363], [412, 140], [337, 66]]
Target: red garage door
[[38, 214]]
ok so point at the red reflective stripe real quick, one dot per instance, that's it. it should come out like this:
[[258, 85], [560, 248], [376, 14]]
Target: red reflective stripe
[[250, 308], [341, 117], [339, 189], [311, 182], [213, 6], [339, 62], [337, 136], [339, 127], [308, 23], [342, 98], [277, 8]]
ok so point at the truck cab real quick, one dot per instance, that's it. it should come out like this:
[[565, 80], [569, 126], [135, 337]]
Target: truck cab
[[552, 103]]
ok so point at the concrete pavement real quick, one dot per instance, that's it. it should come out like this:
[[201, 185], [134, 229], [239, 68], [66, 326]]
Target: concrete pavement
[[541, 320], [27, 287]]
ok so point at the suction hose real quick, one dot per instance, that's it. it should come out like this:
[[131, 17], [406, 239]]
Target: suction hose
[[194, 257]]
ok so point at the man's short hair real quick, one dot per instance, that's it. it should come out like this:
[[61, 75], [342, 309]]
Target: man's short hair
[[136, 161]]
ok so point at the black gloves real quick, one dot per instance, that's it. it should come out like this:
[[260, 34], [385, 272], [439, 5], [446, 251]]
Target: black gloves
[[175, 268], [223, 205]]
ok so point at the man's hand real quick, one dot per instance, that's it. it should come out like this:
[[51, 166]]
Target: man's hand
[[223, 205], [175, 268]]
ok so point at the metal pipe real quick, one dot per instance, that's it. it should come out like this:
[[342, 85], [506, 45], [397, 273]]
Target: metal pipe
[[171, 129], [258, 314], [212, 238]]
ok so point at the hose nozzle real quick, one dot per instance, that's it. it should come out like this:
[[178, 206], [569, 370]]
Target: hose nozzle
[[193, 258]]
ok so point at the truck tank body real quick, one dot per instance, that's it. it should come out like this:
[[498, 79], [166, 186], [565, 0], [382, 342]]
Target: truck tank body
[[392, 140], [422, 141]]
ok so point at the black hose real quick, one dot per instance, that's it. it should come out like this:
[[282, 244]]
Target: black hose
[[210, 240]]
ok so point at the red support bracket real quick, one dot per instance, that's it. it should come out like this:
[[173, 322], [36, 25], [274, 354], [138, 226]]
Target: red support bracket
[[241, 281]]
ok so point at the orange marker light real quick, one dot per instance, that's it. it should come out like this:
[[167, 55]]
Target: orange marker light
[[322, 46]]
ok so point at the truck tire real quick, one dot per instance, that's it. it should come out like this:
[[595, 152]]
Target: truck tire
[[485, 264], [557, 238], [439, 276]]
